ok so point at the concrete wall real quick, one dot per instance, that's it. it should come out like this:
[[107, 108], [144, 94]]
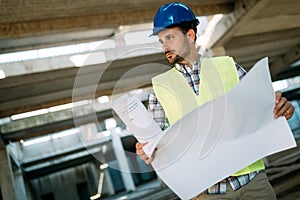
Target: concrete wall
[[7, 190], [65, 184]]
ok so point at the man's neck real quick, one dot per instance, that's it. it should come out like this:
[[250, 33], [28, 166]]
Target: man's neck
[[190, 60]]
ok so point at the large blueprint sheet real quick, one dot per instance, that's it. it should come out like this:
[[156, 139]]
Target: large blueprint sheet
[[221, 137]]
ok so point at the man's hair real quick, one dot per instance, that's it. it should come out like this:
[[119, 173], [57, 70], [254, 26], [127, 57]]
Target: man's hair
[[186, 26]]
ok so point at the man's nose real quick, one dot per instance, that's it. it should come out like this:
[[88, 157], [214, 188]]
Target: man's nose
[[165, 47]]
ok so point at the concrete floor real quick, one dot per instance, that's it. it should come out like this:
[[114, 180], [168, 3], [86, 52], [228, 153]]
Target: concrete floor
[[149, 191]]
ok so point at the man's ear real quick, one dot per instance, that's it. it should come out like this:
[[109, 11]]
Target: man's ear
[[191, 35]]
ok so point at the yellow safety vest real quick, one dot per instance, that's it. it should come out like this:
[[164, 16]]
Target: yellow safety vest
[[218, 75]]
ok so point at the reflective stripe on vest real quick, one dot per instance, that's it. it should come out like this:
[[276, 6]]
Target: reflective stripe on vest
[[218, 75]]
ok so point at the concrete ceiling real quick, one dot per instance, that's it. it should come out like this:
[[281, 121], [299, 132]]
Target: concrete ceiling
[[249, 31], [23, 21]]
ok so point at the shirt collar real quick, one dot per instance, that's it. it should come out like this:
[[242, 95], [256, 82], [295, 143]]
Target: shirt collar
[[186, 69]]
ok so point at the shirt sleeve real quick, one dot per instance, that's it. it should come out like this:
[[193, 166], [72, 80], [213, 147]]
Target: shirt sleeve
[[157, 111], [241, 71]]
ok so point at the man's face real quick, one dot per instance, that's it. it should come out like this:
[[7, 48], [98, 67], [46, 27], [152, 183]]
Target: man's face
[[175, 44]]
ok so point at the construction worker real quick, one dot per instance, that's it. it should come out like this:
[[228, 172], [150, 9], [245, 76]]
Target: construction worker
[[176, 26]]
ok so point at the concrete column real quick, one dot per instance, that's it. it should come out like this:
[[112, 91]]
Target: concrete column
[[20, 185], [21, 188], [6, 180], [218, 51], [122, 161], [108, 184], [119, 38], [97, 168]]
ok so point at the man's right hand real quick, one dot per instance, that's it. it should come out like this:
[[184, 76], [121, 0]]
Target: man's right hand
[[140, 152]]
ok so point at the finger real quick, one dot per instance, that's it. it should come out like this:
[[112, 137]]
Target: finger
[[154, 153], [277, 97], [289, 112], [149, 160], [138, 145], [283, 109], [279, 106], [145, 158], [141, 153]]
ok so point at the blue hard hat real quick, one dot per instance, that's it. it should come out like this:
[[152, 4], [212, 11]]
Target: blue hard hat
[[172, 14]]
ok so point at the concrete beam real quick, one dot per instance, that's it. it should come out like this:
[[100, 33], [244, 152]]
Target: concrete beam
[[73, 81], [98, 56], [265, 37], [67, 96], [48, 118], [77, 84], [275, 23], [58, 166], [292, 56], [56, 39], [218, 51], [281, 66], [95, 147], [230, 23], [257, 56], [16, 11], [60, 18], [263, 48], [60, 120], [44, 165], [48, 128]]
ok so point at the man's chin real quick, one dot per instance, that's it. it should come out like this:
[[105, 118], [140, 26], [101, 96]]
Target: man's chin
[[171, 61]]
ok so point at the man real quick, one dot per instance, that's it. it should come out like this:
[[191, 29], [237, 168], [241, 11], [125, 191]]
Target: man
[[175, 24]]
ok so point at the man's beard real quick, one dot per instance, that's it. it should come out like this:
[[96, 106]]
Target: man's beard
[[180, 58], [177, 59]]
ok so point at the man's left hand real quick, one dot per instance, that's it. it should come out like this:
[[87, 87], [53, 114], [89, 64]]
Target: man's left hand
[[283, 107]]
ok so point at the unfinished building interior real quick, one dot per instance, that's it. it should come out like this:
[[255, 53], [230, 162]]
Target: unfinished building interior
[[62, 61]]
